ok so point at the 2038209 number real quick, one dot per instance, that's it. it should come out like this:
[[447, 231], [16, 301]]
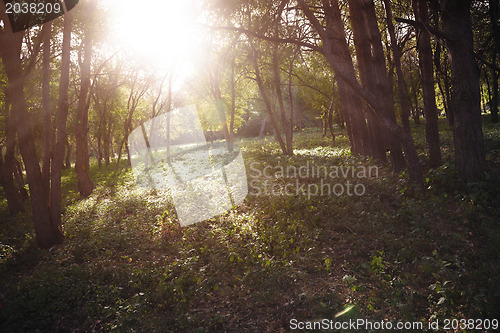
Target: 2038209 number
[[32, 8], [471, 324]]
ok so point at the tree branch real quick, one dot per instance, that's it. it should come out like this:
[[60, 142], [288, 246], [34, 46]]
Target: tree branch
[[484, 61], [34, 54], [268, 38], [420, 25]]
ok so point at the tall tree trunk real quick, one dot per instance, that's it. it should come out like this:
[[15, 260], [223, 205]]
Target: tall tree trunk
[[403, 97], [494, 99], [220, 108], [62, 116], [169, 108], [290, 96], [19, 177], [383, 84], [233, 100], [350, 103], [441, 76], [416, 110], [330, 120], [367, 75], [264, 96], [47, 123], [447, 91], [467, 127], [67, 160], [7, 167], [376, 108], [47, 233], [427, 77], [281, 104], [12, 195], [107, 139], [495, 28]]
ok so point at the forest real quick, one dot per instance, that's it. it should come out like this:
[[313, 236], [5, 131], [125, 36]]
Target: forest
[[249, 165]]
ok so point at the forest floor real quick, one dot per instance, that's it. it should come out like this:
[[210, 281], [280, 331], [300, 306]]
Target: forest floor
[[390, 254]]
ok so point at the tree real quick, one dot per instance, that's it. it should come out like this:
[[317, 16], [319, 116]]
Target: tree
[[349, 79], [427, 78], [494, 12], [264, 94], [48, 233], [8, 161], [46, 105], [137, 92], [106, 96], [82, 165], [467, 126], [396, 53], [62, 116]]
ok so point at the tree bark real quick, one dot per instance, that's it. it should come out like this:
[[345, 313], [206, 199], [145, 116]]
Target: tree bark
[[384, 88], [376, 108], [427, 77], [467, 127], [281, 105], [67, 162], [267, 103], [367, 75], [495, 28], [290, 96], [12, 194], [350, 103], [47, 233], [62, 116], [233, 100], [7, 165], [403, 97], [47, 123]]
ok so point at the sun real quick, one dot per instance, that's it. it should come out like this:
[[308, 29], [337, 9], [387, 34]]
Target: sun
[[162, 34]]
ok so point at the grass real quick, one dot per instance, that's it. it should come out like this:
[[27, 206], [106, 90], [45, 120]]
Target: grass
[[126, 264]]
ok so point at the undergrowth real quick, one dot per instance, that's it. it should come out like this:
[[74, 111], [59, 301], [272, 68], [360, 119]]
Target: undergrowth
[[127, 265]]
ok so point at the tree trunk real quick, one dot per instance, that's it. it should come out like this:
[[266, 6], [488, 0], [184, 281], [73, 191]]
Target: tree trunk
[[367, 75], [350, 103], [467, 127], [67, 162], [107, 140], [62, 116], [233, 101], [330, 121], [281, 105], [290, 96], [99, 150], [376, 108], [403, 97], [441, 76], [427, 77], [12, 194], [47, 233], [383, 84], [262, 128], [495, 28], [7, 165], [47, 123], [494, 99], [267, 103], [19, 177], [447, 90]]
